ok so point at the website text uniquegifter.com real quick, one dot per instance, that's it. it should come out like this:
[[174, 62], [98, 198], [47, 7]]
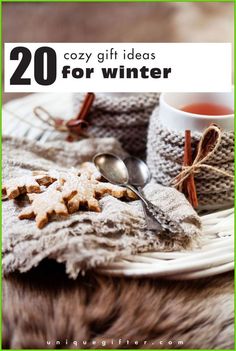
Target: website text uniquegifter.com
[[83, 343]]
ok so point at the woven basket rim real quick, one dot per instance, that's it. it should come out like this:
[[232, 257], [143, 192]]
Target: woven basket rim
[[214, 257]]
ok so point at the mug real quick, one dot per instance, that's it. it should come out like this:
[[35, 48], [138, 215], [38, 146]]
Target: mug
[[172, 117]]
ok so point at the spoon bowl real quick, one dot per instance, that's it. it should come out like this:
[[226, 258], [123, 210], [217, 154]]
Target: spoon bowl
[[112, 168], [139, 174]]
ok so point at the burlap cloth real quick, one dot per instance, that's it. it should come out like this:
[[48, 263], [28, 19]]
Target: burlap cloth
[[85, 239]]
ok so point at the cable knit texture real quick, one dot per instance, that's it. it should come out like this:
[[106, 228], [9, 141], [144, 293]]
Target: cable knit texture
[[123, 118], [165, 149]]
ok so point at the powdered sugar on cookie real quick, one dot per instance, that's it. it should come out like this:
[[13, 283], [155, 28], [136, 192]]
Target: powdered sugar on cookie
[[61, 192]]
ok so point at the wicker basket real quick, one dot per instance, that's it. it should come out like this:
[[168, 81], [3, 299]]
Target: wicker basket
[[214, 256]]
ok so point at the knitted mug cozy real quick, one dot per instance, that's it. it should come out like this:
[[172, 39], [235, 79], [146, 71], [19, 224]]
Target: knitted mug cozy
[[165, 151], [125, 118]]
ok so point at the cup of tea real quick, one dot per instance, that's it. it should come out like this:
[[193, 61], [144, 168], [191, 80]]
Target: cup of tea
[[166, 139], [196, 111]]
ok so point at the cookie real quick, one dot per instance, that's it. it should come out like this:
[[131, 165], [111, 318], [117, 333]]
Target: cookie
[[44, 205], [84, 195], [62, 192], [114, 190], [90, 170], [45, 178], [21, 185], [14, 187], [88, 191]]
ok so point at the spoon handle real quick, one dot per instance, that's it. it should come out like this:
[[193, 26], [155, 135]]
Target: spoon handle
[[138, 193], [151, 222], [161, 217]]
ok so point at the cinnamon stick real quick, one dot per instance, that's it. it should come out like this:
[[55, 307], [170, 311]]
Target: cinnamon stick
[[189, 187], [75, 124], [88, 101], [209, 141]]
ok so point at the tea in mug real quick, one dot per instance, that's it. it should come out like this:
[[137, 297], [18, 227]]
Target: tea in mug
[[209, 109]]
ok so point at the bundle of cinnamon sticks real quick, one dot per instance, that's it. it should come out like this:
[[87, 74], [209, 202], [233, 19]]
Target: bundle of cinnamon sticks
[[188, 186]]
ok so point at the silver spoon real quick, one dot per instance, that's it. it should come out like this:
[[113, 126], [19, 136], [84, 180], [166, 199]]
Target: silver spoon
[[139, 176], [115, 171]]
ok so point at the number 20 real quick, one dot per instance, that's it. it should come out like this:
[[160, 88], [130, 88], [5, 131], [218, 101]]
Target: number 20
[[51, 59]]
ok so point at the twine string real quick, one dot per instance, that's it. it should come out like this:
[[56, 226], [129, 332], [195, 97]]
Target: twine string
[[199, 161]]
